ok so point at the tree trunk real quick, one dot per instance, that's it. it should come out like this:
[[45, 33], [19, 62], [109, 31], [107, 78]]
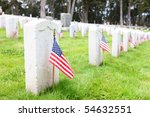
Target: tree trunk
[[52, 5], [121, 13], [72, 8], [42, 12], [129, 13], [69, 6], [84, 14]]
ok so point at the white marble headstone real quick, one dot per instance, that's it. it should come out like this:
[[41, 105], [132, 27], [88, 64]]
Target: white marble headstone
[[12, 27], [66, 19], [79, 26], [59, 25], [126, 36], [72, 30], [116, 43], [95, 54], [24, 20], [2, 21], [38, 41], [84, 29]]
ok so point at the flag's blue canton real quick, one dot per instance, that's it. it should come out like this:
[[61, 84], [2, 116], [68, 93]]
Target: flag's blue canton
[[103, 39], [56, 49]]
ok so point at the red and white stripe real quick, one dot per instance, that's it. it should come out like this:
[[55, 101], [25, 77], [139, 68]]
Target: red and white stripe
[[104, 46], [121, 46], [62, 64], [131, 42]]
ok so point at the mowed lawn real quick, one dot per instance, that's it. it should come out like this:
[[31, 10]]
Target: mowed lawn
[[126, 77]]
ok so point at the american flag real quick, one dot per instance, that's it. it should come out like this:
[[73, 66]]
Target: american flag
[[104, 45], [131, 42], [58, 59], [74, 33], [121, 46]]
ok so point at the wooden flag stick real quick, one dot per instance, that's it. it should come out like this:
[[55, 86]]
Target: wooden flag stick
[[53, 81], [53, 78]]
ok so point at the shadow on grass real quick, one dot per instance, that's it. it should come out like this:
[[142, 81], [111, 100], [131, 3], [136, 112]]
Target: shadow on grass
[[65, 90]]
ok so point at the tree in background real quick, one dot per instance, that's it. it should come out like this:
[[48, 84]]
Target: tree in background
[[121, 12], [88, 7], [42, 9], [52, 7], [113, 11], [129, 12], [71, 6], [134, 12]]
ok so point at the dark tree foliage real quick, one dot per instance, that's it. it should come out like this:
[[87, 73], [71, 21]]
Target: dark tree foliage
[[92, 11]]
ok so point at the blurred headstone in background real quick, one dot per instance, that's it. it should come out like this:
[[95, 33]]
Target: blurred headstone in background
[[65, 19]]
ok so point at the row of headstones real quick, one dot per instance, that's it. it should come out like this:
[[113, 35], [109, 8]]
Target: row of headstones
[[84, 27], [131, 38], [10, 23], [76, 27], [38, 41]]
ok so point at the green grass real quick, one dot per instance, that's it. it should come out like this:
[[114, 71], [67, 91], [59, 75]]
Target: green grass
[[126, 77]]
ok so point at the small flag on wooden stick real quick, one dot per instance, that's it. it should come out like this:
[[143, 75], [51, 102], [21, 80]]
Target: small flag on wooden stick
[[121, 46], [104, 45], [58, 59], [132, 43]]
